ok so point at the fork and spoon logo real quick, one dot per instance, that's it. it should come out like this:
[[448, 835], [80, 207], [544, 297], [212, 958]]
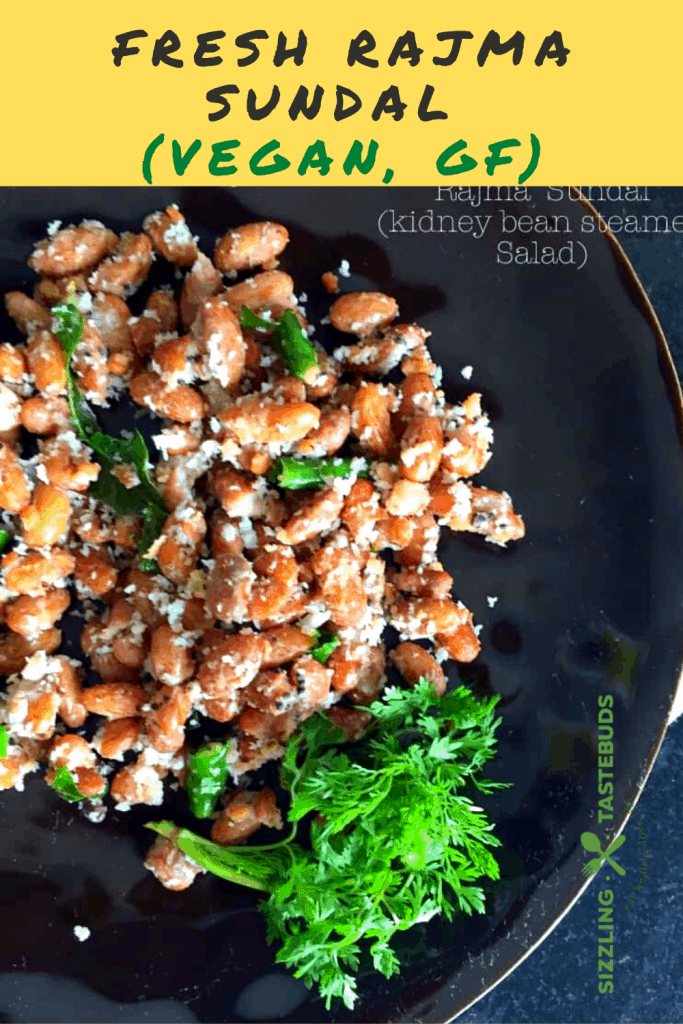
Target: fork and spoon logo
[[591, 843]]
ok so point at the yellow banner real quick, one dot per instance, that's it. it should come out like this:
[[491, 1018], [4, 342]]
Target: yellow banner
[[354, 94]]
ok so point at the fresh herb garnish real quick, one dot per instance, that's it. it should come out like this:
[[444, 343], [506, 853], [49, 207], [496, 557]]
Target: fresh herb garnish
[[148, 565], [3, 741], [5, 539], [143, 499], [63, 783], [392, 842], [257, 867], [294, 474], [289, 341], [324, 645], [207, 775]]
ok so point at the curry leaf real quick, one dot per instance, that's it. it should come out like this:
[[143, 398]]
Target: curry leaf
[[142, 498]]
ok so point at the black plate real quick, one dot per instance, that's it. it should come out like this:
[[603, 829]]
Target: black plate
[[586, 410]]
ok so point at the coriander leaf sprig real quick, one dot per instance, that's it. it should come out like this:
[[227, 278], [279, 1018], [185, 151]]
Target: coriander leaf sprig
[[393, 840], [324, 645], [143, 499]]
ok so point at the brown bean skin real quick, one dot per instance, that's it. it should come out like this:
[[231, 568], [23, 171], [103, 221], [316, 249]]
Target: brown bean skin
[[352, 721], [228, 588], [31, 615], [336, 570], [114, 699], [237, 493], [15, 649], [267, 689], [346, 662], [144, 331], [250, 245], [243, 815], [407, 498], [462, 643], [89, 363], [171, 663], [181, 403], [14, 767], [34, 572], [110, 316], [312, 679], [451, 502], [232, 663], [71, 709], [225, 538], [285, 644], [371, 419], [421, 447], [162, 303], [272, 290], [46, 363], [266, 726], [217, 332], [72, 249], [182, 535], [315, 516], [380, 352], [171, 236], [117, 736], [170, 865], [361, 508], [428, 581], [200, 283], [95, 572], [27, 314], [41, 715], [330, 282], [137, 783], [361, 313], [46, 518], [71, 750], [257, 422], [143, 585], [127, 268], [414, 662], [52, 290], [277, 575], [15, 489], [10, 414], [96, 643], [425, 616], [13, 364], [165, 724], [44, 415], [418, 396], [494, 517], [328, 436], [173, 358], [420, 548], [66, 469], [371, 678]]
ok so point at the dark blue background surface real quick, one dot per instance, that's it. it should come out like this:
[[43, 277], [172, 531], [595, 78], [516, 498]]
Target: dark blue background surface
[[557, 984]]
